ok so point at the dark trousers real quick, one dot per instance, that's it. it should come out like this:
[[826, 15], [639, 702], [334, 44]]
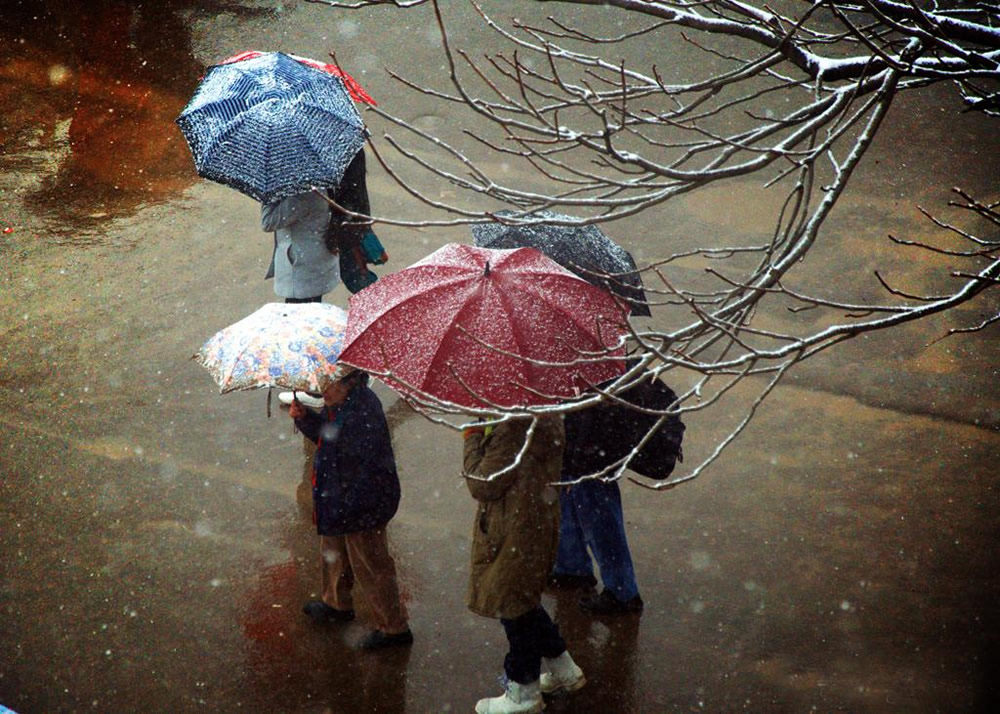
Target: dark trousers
[[531, 636], [318, 298]]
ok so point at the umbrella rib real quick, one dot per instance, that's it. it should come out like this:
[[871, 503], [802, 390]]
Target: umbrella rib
[[228, 374], [317, 152], [386, 284], [542, 295], [440, 354], [218, 140], [510, 312], [350, 116]]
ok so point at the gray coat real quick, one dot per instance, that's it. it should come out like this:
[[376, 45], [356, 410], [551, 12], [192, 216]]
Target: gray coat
[[301, 266]]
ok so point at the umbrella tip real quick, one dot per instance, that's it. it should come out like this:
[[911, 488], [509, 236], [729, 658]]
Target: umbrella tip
[[486, 270]]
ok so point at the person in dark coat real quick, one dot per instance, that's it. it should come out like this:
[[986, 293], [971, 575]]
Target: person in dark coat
[[311, 242], [356, 244], [591, 511], [355, 495], [513, 547]]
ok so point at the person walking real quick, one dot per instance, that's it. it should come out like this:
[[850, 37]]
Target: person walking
[[308, 233], [591, 516], [355, 494], [591, 511], [514, 540]]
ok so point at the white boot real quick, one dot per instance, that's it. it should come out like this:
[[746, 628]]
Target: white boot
[[518, 699], [563, 675]]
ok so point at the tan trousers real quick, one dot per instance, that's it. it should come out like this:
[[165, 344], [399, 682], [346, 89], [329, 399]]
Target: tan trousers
[[364, 557], [304, 491]]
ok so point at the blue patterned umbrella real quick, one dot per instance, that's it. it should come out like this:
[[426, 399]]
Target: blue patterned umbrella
[[272, 127]]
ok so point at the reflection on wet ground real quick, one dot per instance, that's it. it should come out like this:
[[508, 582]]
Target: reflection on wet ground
[[90, 93], [154, 555]]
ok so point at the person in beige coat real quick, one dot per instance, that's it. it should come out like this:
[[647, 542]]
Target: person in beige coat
[[514, 542]]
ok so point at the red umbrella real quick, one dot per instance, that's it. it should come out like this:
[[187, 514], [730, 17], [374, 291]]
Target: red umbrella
[[462, 324], [356, 91]]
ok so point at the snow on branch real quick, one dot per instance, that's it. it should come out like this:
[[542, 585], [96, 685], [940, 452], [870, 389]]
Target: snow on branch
[[599, 121]]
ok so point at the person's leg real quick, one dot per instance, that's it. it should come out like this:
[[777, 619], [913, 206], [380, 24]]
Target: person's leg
[[572, 559], [561, 673], [336, 573], [530, 636], [375, 570], [550, 641], [303, 492], [599, 509], [541, 646], [522, 665], [335, 603]]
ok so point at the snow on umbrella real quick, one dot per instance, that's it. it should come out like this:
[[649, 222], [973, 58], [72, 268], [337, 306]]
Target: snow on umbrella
[[478, 327], [585, 250], [272, 127], [280, 345], [356, 91]]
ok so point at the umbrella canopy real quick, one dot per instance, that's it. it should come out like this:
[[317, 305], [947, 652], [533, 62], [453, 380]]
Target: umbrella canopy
[[272, 127], [462, 324], [280, 345], [356, 91], [585, 250]]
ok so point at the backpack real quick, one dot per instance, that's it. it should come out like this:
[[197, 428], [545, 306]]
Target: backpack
[[600, 435]]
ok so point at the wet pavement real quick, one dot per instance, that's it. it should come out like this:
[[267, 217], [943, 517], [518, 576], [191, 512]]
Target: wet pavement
[[154, 555]]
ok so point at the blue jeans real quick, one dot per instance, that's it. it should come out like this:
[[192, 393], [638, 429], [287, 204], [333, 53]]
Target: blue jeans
[[591, 517]]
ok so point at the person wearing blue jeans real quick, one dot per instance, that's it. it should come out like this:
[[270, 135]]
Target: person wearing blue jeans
[[598, 440], [591, 518]]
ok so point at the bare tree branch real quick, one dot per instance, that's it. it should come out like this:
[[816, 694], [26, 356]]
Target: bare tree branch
[[600, 125]]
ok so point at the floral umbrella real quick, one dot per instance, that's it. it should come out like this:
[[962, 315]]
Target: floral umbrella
[[280, 345]]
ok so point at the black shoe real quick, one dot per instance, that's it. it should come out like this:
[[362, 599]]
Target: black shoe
[[565, 581], [319, 611], [607, 604], [376, 640]]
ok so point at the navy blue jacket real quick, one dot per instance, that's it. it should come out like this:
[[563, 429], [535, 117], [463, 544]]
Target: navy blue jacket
[[356, 487]]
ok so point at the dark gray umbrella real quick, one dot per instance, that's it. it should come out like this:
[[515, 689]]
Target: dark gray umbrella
[[272, 127], [585, 250]]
